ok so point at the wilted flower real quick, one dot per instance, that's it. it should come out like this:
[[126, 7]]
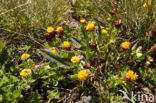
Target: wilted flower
[[118, 24], [60, 29], [153, 48], [151, 33], [75, 59], [50, 29], [50, 34], [147, 63], [83, 21], [66, 44], [87, 65], [83, 74], [26, 72], [112, 12], [54, 51], [131, 76], [93, 43], [150, 59], [25, 56], [126, 45]]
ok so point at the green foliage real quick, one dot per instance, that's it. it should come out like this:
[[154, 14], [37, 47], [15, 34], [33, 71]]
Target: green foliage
[[103, 70], [2, 45], [53, 94], [54, 58]]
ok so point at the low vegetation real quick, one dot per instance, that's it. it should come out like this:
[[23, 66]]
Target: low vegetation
[[76, 51]]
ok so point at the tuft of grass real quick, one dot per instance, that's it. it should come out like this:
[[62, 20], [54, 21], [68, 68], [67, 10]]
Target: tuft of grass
[[18, 17]]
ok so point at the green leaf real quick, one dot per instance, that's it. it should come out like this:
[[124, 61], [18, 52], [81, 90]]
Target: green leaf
[[2, 45], [26, 47], [99, 22], [85, 37], [49, 75], [77, 43], [1, 97], [16, 93], [54, 58], [36, 98], [53, 94], [99, 35], [30, 63], [48, 44], [55, 82]]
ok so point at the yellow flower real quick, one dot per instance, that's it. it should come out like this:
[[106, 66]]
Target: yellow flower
[[83, 75], [25, 56], [66, 44], [75, 59], [90, 27], [60, 29], [109, 18], [83, 21], [145, 5], [104, 31], [126, 45], [26, 72], [54, 51], [50, 29], [131, 76], [93, 22]]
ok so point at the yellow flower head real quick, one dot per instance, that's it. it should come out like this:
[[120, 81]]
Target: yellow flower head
[[50, 29], [25, 56], [93, 22], [109, 18], [66, 44], [131, 76], [145, 5], [90, 27], [54, 51], [60, 29], [104, 31], [83, 75], [26, 72], [83, 21], [75, 59], [126, 45]]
